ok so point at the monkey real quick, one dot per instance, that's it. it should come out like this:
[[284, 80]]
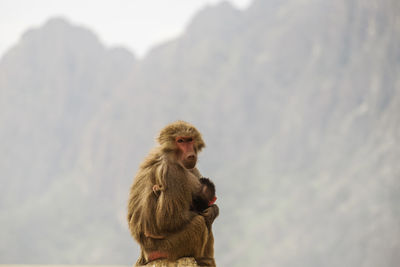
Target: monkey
[[206, 197], [159, 215]]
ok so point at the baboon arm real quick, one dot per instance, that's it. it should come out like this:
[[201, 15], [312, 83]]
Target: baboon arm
[[172, 209]]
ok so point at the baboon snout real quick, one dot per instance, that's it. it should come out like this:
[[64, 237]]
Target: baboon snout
[[191, 157]]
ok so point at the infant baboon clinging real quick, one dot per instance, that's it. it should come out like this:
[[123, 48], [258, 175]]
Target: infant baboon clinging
[[206, 197]]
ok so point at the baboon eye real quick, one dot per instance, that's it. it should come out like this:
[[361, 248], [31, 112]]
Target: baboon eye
[[180, 140], [190, 139]]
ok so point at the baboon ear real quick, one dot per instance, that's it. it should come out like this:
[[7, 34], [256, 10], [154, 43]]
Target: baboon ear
[[210, 185]]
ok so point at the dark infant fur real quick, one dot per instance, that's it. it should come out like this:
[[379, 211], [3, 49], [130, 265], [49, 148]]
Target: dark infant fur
[[201, 201]]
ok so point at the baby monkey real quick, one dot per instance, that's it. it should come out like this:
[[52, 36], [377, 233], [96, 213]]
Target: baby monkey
[[206, 197]]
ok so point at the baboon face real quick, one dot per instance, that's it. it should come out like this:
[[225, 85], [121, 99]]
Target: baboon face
[[187, 153]]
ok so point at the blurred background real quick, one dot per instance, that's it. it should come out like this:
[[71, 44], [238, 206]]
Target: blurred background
[[298, 102]]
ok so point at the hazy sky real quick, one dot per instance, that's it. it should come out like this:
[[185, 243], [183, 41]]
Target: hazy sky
[[135, 24]]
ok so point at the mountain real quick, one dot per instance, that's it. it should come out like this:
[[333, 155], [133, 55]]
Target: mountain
[[298, 102], [53, 83]]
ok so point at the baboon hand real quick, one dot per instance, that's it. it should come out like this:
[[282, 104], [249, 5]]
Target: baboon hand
[[210, 214]]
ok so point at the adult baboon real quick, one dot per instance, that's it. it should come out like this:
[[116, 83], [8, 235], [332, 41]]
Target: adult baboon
[[159, 209]]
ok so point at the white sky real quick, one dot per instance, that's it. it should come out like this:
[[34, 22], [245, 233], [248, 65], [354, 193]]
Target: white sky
[[135, 24]]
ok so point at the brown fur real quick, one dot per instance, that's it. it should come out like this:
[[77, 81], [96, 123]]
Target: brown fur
[[159, 216]]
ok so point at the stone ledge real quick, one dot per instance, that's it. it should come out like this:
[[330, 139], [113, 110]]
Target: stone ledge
[[182, 262]]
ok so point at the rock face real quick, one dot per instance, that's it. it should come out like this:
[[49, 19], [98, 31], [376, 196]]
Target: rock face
[[298, 102]]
